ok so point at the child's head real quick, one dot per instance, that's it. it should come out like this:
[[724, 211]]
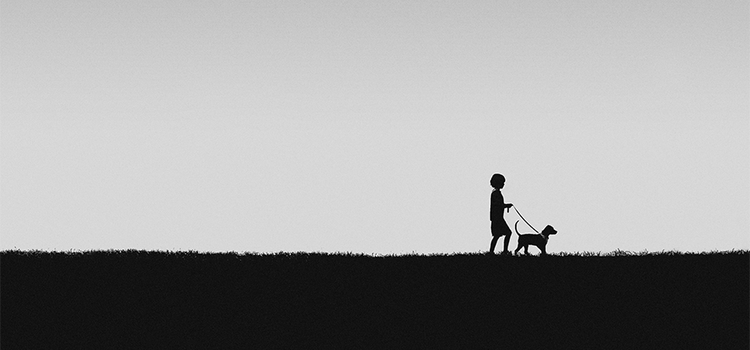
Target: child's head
[[497, 181]]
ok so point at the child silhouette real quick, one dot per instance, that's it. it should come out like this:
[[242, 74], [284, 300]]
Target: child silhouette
[[497, 206]]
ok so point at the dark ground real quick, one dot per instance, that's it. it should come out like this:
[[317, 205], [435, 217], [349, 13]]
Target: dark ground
[[187, 300]]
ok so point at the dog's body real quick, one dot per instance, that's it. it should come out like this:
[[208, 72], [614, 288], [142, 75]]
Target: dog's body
[[538, 240]]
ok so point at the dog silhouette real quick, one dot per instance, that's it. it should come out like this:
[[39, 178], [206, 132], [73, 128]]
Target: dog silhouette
[[539, 240]]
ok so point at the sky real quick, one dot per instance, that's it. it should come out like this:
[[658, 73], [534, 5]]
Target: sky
[[373, 126]]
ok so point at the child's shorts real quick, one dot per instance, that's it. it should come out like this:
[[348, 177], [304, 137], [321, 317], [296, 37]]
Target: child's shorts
[[500, 228]]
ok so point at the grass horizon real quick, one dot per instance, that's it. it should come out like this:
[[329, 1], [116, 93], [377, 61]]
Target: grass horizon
[[614, 253], [290, 300]]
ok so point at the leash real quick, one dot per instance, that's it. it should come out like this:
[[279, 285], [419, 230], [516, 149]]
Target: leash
[[524, 220]]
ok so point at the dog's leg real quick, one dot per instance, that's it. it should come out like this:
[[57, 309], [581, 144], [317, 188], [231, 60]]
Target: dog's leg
[[526, 249]]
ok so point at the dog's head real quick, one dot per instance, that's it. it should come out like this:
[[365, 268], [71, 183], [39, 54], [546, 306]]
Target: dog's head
[[548, 231]]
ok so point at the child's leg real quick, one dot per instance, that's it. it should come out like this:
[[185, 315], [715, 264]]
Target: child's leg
[[505, 243], [493, 243]]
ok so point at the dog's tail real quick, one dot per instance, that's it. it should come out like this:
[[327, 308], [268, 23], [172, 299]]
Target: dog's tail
[[516, 227]]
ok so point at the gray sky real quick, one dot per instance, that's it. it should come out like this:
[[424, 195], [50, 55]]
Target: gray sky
[[373, 126]]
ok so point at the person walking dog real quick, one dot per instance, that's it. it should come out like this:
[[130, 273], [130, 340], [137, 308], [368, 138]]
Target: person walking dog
[[498, 226]]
